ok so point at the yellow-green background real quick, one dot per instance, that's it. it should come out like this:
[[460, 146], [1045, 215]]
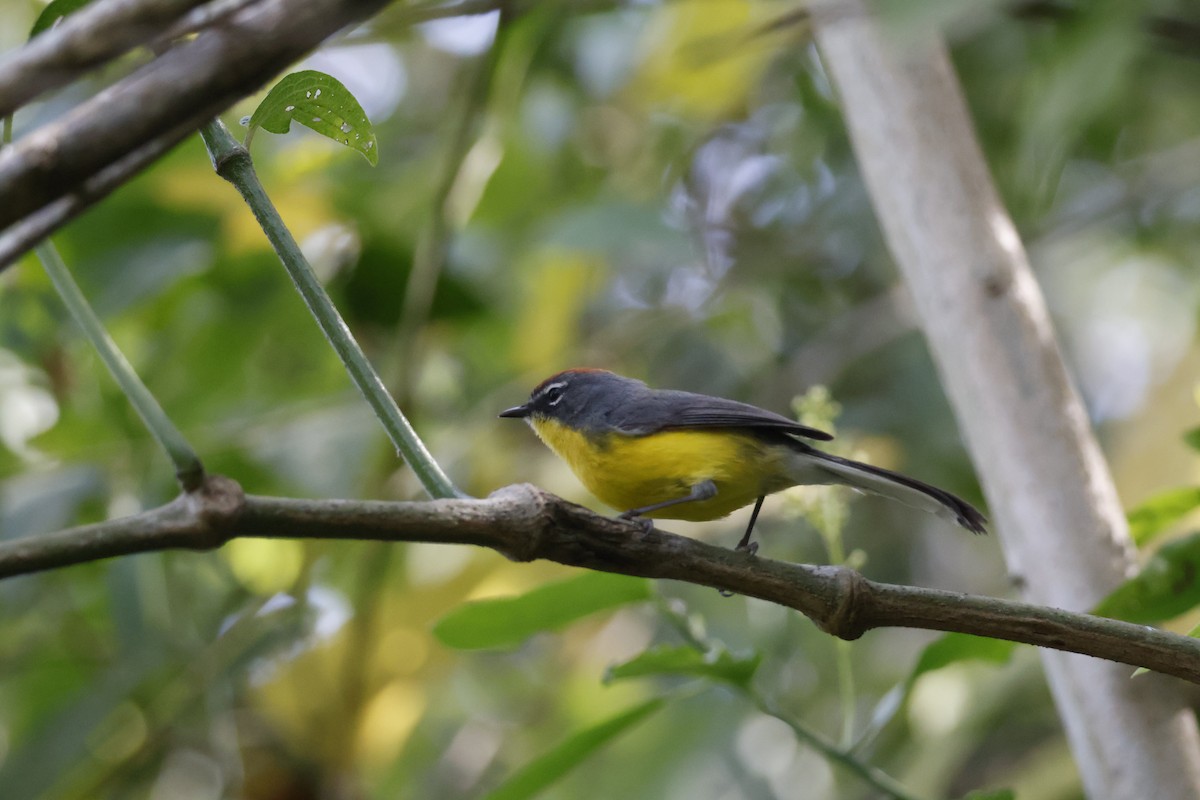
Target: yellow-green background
[[664, 189]]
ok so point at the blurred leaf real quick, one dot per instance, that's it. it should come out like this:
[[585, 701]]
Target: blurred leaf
[[320, 102], [508, 621], [545, 770], [941, 652], [40, 502], [53, 13], [1161, 511], [45, 756], [883, 713], [559, 286], [705, 65], [1165, 588], [991, 794], [718, 663], [961, 647], [1192, 438]]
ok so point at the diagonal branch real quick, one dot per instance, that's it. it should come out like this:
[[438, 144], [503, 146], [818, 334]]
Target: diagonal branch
[[53, 173], [94, 35], [524, 523], [32, 229], [167, 98]]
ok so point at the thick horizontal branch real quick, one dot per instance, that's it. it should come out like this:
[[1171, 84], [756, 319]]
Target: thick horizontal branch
[[524, 523]]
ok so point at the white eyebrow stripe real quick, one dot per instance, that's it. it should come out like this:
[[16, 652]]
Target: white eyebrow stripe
[[546, 390]]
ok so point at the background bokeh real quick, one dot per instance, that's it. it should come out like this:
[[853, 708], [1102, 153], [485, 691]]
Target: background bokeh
[[661, 188]]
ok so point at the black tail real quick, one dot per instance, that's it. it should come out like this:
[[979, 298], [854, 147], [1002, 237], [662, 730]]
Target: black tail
[[909, 491]]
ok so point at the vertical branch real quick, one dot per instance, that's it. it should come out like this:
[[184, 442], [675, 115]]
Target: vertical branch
[[232, 162], [1061, 524]]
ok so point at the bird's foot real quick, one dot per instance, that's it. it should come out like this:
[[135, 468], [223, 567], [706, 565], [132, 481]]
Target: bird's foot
[[645, 523], [747, 547]]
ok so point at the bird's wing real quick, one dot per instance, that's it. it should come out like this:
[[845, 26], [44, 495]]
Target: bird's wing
[[671, 410]]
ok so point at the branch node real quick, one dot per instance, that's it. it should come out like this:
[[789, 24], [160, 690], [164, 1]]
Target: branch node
[[535, 518], [226, 162], [851, 591], [217, 504]]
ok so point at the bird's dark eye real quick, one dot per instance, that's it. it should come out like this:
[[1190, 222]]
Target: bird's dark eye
[[553, 395]]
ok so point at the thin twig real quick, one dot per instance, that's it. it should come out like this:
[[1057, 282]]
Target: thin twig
[[232, 162], [841, 755], [188, 469]]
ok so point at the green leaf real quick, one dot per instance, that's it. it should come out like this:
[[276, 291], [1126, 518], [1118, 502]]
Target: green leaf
[[1165, 588], [961, 647], [990, 794], [508, 621], [941, 652], [718, 664], [53, 13], [1161, 511], [320, 102], [1192, 438], [549, 767]]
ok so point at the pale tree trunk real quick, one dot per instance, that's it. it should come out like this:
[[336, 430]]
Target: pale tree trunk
[[1050, 493]]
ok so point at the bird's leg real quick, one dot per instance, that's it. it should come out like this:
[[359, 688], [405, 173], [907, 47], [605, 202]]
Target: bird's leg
[[701, 491], [745, 543]]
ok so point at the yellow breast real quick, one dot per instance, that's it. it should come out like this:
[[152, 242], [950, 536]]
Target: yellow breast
[[628, 472]]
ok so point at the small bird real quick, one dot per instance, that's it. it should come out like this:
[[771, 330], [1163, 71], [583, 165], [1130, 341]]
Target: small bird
[[679, 455]]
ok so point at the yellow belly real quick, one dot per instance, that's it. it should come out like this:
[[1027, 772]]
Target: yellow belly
[[628, 472]]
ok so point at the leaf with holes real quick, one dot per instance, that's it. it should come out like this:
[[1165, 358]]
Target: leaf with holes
[[320, 102], [53, 13]]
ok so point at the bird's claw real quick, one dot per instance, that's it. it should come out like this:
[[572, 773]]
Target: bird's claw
[[645, 523]]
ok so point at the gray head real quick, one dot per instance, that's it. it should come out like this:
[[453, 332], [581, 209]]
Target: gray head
[[584, 399]]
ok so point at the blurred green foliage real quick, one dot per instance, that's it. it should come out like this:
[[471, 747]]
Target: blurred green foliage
[[665, 189]]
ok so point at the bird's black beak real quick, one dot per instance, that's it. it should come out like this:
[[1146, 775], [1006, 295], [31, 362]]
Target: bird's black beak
[[519, 412]]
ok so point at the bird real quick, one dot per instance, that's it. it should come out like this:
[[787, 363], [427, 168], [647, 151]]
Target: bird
[[668, 454]]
